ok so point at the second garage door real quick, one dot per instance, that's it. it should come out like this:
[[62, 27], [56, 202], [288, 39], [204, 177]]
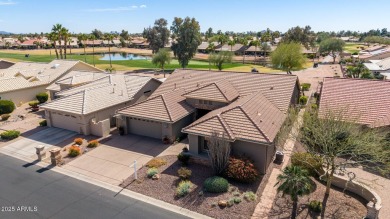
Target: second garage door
[[64, 121], [145, 128]]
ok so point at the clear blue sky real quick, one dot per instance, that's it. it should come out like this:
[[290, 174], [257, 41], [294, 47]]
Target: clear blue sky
[[24, 16]]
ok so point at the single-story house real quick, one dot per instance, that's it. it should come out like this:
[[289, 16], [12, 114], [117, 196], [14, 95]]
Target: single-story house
[[72, 79], [5, 64], [247, 108], [236, 49], [378, 66], [21, 82], [375, 53], [203, 47], [90, 108], [363, 101]]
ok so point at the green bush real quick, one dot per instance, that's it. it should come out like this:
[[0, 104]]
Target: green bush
[[184, 173], [216, 184], [303, 100], [237, 200], [43, 123], [249, 196], [151, 172], [93, 144], [241, 169], [184, 158], [315, 206], [74, 151], [314, 106], [311, 163], [10, 134], [305, 86], [5, 117], [33, 103], [230, 202], [42, 97], [6, 106], [183, 188]]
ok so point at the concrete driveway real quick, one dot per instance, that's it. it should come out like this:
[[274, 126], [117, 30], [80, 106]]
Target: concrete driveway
[[112, 161], [50, 137]]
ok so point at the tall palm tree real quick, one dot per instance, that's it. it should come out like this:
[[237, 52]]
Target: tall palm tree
[[244, 42], [92, 37], [84, 38], [70, 40], [57, 30], [53, 38], [65, 37], [109, 38], [295, 182], [231, 43], [255, 43]]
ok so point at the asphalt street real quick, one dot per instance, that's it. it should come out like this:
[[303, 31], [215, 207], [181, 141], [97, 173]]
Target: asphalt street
[[29, 191]]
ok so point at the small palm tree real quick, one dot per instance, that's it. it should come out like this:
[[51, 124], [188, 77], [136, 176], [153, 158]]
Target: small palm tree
[[256, 44], [244, 42], [295, 182], [109, 38], [161, 58], [231, 43], [53, 38]]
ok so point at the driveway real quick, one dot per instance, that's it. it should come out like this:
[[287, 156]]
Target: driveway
[[50, 137], [112, 161]]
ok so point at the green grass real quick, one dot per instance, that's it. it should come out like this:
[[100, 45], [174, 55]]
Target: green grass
[[122, 64], [352, 47]]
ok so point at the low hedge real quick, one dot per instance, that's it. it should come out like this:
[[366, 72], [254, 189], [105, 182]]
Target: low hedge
[[10, 134], [6, 106], [216, 184]]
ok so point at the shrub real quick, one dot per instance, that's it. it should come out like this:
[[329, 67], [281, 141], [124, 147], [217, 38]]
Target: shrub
[[78, 141], [183, 188], [74, 151], [151, 172], [241, 169], [216, 184], [237, 200], [93, 144], [315, 206], [156, 162], [33, 103], [6, 107], [230, 202], [316, 95], [305, 86], [184, 173], [42, 97], [311, 163], [43, 123], [249, 196], [314, 106], [5, 117], [303, 100], [10, 134], [183, 158]]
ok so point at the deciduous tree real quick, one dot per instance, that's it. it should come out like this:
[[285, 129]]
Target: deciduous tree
[[218, 59], [288, 56], [333, 46], [161, 58]]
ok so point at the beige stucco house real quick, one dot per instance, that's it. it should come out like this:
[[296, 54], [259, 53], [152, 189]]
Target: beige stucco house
[[247, 108], [90, 108], [21, 82]]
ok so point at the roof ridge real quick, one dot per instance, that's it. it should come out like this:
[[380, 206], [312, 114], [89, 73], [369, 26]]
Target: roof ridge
[[251, 119], [84, 100], [166, 107], [223, 93], [225, 126]]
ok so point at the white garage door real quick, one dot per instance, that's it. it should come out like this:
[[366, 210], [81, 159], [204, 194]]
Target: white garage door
[[145, 128], [64, 121]]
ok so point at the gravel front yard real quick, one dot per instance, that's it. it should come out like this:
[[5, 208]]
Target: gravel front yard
[[164, 189]]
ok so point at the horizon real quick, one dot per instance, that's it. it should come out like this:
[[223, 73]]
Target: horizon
[[23, 16]]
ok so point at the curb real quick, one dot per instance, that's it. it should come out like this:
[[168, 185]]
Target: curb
[[116, 189]]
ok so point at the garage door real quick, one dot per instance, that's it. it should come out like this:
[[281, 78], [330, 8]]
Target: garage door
[[145, 128], [64, 121]]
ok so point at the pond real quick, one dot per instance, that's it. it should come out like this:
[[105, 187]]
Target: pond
[[122, 56]]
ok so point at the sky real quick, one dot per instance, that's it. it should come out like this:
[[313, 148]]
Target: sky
[[30, 16]]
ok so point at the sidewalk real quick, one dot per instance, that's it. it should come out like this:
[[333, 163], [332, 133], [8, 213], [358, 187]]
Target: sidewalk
[[267, 198]]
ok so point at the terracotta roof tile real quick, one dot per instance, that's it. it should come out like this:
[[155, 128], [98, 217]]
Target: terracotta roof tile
[[221, 91]]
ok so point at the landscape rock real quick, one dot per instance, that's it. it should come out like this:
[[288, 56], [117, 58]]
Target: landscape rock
[[222, 203], [156, 177]]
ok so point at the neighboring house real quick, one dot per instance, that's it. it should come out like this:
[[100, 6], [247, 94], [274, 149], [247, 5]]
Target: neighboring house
[[363, 101], [237, 49], [203, 47], [375, 53], [378, 66], [22, 81], [5, 64], [247, 108], [72, 79], [90, 108]]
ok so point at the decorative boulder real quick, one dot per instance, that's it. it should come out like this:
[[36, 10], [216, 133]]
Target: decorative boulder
[[222, 203], [156, 176]]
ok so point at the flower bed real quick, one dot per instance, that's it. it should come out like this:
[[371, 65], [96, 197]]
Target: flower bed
[[165, 188]]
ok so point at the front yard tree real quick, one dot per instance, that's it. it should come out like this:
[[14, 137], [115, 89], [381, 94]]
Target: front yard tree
[[219, 152], [295, 182], [338, 141], [161, 58], [332, 46], [288, 56], [188, 38], [158, 35], [218, 59]]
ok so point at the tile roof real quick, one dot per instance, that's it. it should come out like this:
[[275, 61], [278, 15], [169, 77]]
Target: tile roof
[[99, 94], [220, 91], [29, 74], [167, 107], [252, 118], [354, 98], [237, 47], [74, 78]]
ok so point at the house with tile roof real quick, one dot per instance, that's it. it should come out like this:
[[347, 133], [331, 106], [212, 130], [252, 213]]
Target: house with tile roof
[[22, 81], [378, 66], [365, 102], [90, 108], [248, 109]]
